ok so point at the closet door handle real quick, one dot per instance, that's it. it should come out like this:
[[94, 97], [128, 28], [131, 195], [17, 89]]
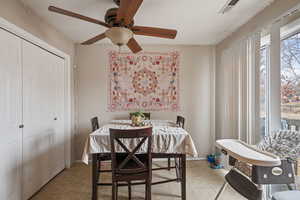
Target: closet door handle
[[21, 126], [55, 118]]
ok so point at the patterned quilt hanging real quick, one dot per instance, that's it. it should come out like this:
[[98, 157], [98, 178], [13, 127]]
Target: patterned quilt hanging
[[144, 81]]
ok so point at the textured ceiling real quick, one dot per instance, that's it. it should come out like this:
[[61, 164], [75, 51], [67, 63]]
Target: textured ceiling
[[197, 21]]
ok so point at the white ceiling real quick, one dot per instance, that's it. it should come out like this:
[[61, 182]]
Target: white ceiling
[[197, 21]]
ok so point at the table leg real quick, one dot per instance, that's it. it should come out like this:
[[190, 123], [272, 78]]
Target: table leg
[[94, 176], [178, 168], [183, 177]]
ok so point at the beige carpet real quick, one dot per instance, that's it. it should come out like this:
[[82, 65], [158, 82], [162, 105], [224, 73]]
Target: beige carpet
[[202, 183]]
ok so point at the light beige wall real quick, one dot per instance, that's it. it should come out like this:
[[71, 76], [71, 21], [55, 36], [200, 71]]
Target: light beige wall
[[265, 17], [16, 13], [195, 81]]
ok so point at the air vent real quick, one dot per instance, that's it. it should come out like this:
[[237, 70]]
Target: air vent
[[228, 6]]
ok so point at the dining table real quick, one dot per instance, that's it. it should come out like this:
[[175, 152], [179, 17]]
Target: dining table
[[168, 141]]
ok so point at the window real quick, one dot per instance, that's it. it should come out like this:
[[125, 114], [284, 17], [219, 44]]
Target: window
[[290, 82]]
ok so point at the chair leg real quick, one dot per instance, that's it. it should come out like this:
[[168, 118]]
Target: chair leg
[[117, 191], [129, 190], [99, 168], [148, 189], [114, 191], [183, 176], [169, 164], [94, 177]]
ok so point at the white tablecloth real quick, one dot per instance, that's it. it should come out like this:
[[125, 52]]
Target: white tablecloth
[[166, 138]]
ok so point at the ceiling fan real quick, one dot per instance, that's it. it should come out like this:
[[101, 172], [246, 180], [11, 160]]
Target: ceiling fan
[[120, 24]]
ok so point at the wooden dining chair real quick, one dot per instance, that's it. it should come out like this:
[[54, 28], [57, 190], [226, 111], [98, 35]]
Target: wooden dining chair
[[147, 115], [102, 157], [180, 121], [131, 165], [95, 123]]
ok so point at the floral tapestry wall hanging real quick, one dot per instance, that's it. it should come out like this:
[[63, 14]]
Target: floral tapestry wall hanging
[[144, 81]]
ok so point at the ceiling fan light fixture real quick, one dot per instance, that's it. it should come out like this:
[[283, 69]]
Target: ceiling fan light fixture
[[119, 35]]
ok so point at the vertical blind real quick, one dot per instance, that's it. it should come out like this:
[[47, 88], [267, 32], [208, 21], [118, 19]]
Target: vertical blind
[[240, 64]]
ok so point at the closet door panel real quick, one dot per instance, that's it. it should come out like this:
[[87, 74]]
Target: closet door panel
[[10, 116], [58, 154], [39, 94], [10, 171], [35, 163]]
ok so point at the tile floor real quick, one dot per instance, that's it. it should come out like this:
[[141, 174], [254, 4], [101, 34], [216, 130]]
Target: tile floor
[[202, 184]]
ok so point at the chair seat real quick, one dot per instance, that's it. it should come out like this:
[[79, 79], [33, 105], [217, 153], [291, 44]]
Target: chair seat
[[287, 195], [105, 157], [131, 164]]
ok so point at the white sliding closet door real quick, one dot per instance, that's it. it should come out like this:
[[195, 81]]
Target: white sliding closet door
[[43, 103], [10, 116], [58, 143]]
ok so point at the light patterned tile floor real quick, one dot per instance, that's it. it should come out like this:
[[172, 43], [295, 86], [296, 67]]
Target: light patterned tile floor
[[202, 184]]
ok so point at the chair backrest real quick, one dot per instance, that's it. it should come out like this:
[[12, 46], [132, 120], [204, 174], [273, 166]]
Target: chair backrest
[[180, 121], [147, 115], [143, 139], [95, 123]]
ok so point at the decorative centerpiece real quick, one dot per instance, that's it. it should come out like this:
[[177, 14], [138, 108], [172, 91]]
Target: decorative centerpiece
[[137, 119]]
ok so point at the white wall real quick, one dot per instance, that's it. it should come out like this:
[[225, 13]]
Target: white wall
[[265, 17], [197, 63]]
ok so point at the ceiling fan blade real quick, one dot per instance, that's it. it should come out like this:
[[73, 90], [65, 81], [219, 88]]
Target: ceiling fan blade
[[78, 16], [124, 4], [127, 10], [94, 39], [154, 32], [134, 46]]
